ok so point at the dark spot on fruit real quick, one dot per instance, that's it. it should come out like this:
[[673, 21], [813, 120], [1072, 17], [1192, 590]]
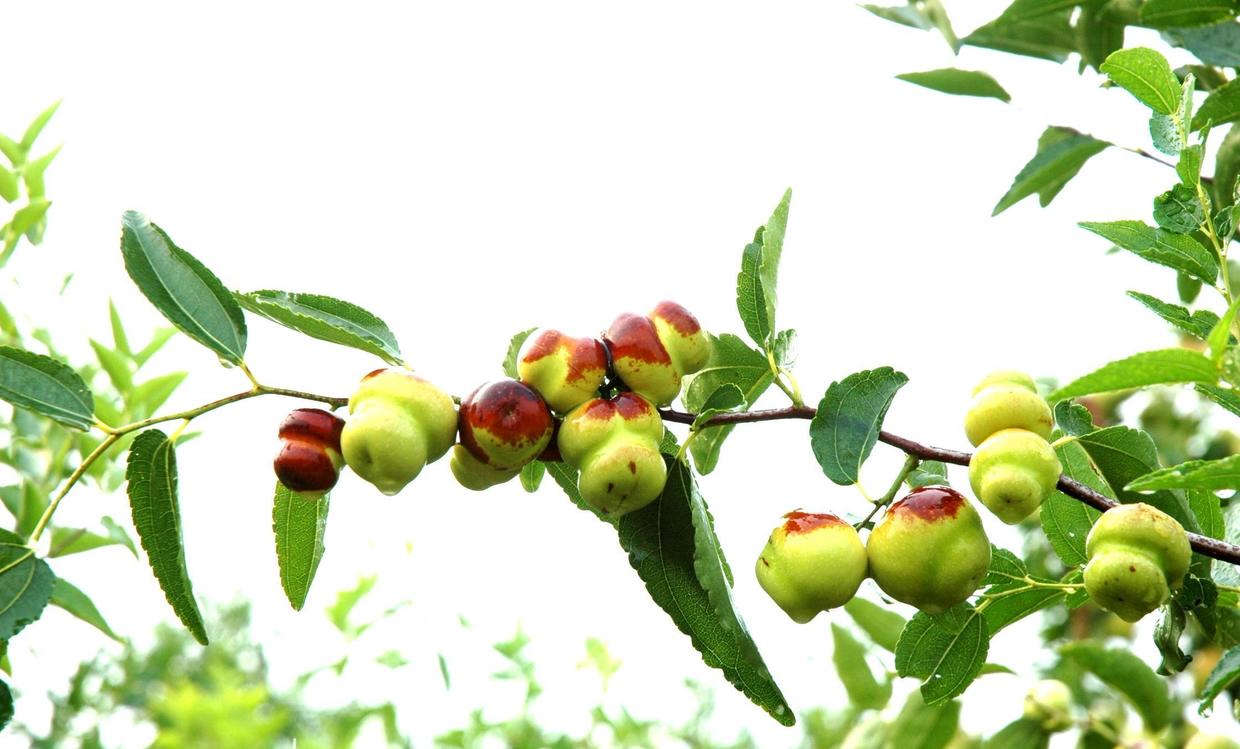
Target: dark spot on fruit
[[1132, 568], [764, 562], [632, 468], [610, 487]]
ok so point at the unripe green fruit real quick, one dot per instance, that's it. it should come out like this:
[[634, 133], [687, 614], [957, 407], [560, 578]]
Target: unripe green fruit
[[473, 474], [565, 371], [811, 563], [930, 550], [653, 354], [614, 443], [1006, 377], [398, 423], [1137, 555], [505, 424], [1210, 741], [1011, 403], [1012, 472], [309, 461], [1049, 703]]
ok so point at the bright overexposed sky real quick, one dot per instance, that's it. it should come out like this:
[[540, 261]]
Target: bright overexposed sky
[[467, 170]]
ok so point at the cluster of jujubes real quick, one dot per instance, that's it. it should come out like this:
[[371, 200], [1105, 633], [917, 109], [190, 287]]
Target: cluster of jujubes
[[592, 403], [929, 551]]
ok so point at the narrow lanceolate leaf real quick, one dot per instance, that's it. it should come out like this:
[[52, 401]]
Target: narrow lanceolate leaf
[[515, 343], [67, 596], [772, 251], [1214, 475], [299, 524], [46, 386], [1164, 367], [958, 82], [1123, 455], [25, 588], [732, 362], [848, 655], [674, 550], [1178, 251], [1197, 324], [880, 624], [849, 417], [325, 318], [37, 124], [1127, 674], [181, 288], [1047, 37], [1225, 673], [1146, 75], [1167, 14], [1225, 397], [1066, 521], [1220, 107], [1061, 154], [152, 477], [750, 301], [1220, 334], [946, 651]]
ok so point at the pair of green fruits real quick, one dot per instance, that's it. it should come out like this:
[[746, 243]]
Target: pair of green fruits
[[930, 549], [607, 394]]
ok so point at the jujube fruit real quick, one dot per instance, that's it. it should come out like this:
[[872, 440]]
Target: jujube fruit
[[566, 371], [1137, 555], [812, 562], [1007, 400], [398, 423], [473, 474], [1049, 703], [1012, 472], [929, 550], [505, 424], [614, 443], [309, 461], [652, 354]]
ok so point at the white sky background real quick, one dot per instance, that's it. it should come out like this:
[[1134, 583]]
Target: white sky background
[[466, 170]]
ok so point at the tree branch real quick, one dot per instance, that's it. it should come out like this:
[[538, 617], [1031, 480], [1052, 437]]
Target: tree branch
[[1203, 545]]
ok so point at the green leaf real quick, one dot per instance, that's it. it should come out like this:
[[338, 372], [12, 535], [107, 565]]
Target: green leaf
[[1166, 14], [1214, 45], [946, 651], [66, 541], [905, 15], [1065, 520], [1048, 37], [923, 726], [1188, 168], [1025, 10], [325, 318], [6, 704], [1220, 334], [1225, 397], [1224, 674], [731, 362], [1221, 106], [514, 350], [147, 397], [1122, 455], [864, 691], [848, 419], [9, 189], [725, 398], [1146, 75], [1019, 734], [1061, 154], [673, 548], [532, 475], [1012, 607], [157, 342], [1165, 134], [183, 289], [37, 125], [1178, 251], [750, 300], [152, 477], [1164, 367], [1127, 674], [1197, 324], [32, 173], [119, 339], [1167, 633], [68, 597], [1178, 210], [346, 600], [928, 473], [879, 624], [299, 525], [772, 251], [1073, 418], [958, 82], [1213, 475], [46, 386], [116, 365], [26, 218], [25, 588], [1099, 31]]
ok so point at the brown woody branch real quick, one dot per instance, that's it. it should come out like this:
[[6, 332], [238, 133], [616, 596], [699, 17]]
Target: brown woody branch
[[1203, 545]]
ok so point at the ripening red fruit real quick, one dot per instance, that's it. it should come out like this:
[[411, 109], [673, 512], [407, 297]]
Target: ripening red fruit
[[309, 461], [505, 424], [652, 354], [566, 371]]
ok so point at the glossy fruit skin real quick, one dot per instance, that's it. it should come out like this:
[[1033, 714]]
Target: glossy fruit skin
[[812, 562], [472, 473], [929, 550], [1012, 472], [1049, 703], [614, 443], [505, 424], [1011, 402], [652, 354], [309, 461], [1006, 377], [566, 371], [398, 423], [1137, 555]]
